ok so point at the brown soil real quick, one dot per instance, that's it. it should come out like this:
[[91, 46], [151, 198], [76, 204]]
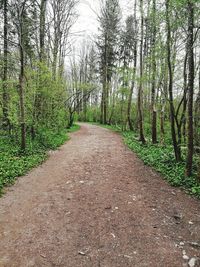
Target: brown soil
[[94, 203]]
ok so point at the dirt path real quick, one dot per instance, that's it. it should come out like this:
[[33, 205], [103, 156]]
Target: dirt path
[[94, 204]]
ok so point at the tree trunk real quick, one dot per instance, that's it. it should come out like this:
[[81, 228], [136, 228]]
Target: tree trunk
[[5, 68], [153, 85], [101, 116], [177, 151], [21, 95], [163, 102], [112, 109], [162, 120], [133, 78], [105, 85], [183, 116], [22, 75], [71, 118], [190, 86], [140, 91], [42, 29], [131, 93], [37, 111], [197, 116]]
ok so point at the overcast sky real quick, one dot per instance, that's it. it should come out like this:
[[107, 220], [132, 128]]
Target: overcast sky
[[87, 24]]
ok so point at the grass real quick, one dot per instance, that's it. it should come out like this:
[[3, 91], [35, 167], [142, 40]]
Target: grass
[[161, 158], [74, 128], [13, 163]]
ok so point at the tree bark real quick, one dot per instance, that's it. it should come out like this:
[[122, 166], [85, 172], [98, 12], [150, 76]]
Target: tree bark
[[190, 48], [163, 102], [105, 84], [140, 91], [42, 29], [153, 84], [5, 67], [197, 117], [21, 95], [133, 78], [22, 75], [37, 111], [177, 151]]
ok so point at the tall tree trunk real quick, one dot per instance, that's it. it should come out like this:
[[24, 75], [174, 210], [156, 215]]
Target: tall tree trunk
[[22, 75], [183, 103], [105, 103], [5, 67], [133, 78], [162, 120], [37, 112], [112, 109], [170, 86], [183, 116], [42, 28], [102, 109], [85, 97], [198, 176], [140, 91], [163, 102], [55, 58], [190, 48], [105, 84], [197, 117], [131, 91], [153, 85], [21, 95]]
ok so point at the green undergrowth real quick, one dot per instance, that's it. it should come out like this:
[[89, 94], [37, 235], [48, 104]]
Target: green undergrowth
[[14, 163], [161, 158], [74, 128]]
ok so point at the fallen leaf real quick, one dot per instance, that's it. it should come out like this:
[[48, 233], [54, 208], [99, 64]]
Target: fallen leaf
[[81, 253]]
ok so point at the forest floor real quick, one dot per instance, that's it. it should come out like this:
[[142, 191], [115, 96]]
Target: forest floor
[[93, 203]]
